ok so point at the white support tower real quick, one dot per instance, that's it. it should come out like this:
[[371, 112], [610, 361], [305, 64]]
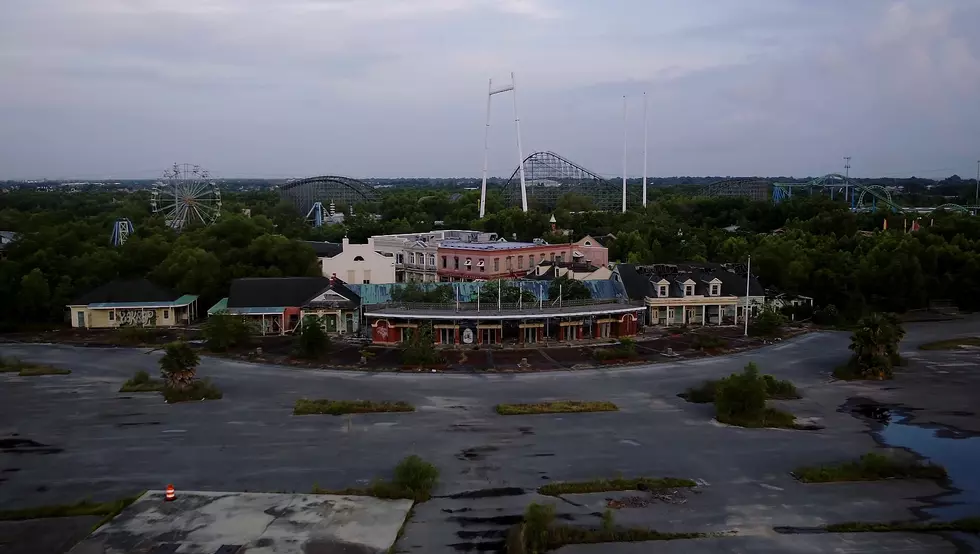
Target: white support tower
[[644, 149], [624, 154], [512, 87]]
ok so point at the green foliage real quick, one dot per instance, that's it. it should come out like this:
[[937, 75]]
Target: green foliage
[[608, 521], [875, 346], [870, 467], [780, 389], [741, 395], [625, 350], [83, 508], [702, 394], [537, 520], [415, 292], [570, 289], [964, 525], [224, 331], [305, 406], [950, 344], [769, 323], [34, 294], [141, 382], [706, 392], [178, 364], [558, 407], [617, 484], [36, 370], [420, 350], [414, 479], [509, 294], [135, 334], [198, 389], [704, 341], [312, 342]]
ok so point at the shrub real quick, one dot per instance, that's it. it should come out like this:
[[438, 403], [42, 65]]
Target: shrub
[[741, 396], [702, 394], [199, 389], [625, 350], [708, 342], [141, 382], [306, 406], [780, 390], [875, 346], [420, 350], [10, 365], [617, 484], [558, 407], [35, 370], [768, 323], [537, 519], [224, 331], [416, 476], [312, 342], [136, 334], [870, 467]]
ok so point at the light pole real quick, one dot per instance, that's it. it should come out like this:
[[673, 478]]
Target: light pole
[[748, 279], [976, 199]]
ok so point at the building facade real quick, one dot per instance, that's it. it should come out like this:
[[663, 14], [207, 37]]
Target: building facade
[[460, 261], [691, 293], [415, 254], [132, 303], [355, 263]]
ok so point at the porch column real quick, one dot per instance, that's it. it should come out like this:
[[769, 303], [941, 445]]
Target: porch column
[[719, 316], [704, 313], [683, 315]]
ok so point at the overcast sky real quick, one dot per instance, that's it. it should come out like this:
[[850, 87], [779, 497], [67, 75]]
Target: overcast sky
[[387, 88]]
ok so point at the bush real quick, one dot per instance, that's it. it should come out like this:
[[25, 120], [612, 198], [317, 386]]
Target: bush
[[618, 484], [702, 394], [769, 323], [875, 346], [312, 342], [780, 390], [136, 334], [199, 389], [35, 370], [741, 396], [141, 382], [418, 477], [537, 519], [827, 316], [708, 342], [338, 407], [870, 467], [178, 365], [10, 365], [625, 350], [224, 331], [420, 349], [770, 417]]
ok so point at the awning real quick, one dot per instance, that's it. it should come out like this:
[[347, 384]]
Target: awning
[[489, 326], [530, 325], [577, 254], [409, 325], [481, 264], [608, 320], [570, 323], [445, 326]]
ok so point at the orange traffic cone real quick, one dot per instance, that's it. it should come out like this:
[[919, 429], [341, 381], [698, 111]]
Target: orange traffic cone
[[171, 494]]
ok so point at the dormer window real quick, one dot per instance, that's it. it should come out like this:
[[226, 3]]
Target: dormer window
[[688, 290], [715, 289], [663, 291]]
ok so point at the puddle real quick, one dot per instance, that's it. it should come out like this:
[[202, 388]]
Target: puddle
[[956, 450]]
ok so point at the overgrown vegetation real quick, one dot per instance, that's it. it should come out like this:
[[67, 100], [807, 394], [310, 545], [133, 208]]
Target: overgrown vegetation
[[776, 389], [966, 525], [413, 478], [35, 370], [427, 293], [223, 331], [179, 365], [135, 334], [420, 350], [870, 467], [705, 341], [569, 289], [875, 346], [306, 406], [616, 484], [769, 323], [557, 407], [141, 382], [198, 389], [625, 350], [312, 343], [108, 510], [540, 534], [951, 344], [740, 399]]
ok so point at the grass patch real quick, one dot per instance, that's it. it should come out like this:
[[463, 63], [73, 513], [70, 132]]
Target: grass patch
[[35, 370], [870, 467], [201, 389], [305, 406], [107, 510], [141, 382], [558, 407], [966, 525], [950, 344], [776, 389], [414, 479], [618, 484], [771, 417]]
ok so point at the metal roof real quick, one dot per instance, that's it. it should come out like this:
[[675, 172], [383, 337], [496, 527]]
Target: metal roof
[[380, 293]]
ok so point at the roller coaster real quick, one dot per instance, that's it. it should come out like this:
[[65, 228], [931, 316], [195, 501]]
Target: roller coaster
[[549, 176], [860, 197], [304, 194]]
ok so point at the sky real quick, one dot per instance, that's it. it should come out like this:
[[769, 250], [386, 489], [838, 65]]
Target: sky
[[398, 88]]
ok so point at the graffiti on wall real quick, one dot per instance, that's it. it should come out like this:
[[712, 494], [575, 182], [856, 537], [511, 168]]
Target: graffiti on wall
[[136, 318]]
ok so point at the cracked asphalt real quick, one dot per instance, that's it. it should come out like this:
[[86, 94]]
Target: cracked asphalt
[[69, 437]]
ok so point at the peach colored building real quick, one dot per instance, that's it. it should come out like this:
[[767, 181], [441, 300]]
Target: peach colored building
[[470, 261]]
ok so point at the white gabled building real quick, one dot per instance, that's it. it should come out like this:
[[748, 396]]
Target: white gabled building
[[355, 263]]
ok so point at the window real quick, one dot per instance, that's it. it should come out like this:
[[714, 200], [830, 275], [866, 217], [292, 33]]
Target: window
[[456, 262], [432, 260], [367, 281], [663, 290], [469, 262], [510, 263], [444, 262], [688, 290], [714, 290], [552, 256], [358, 258], [496, 264], [112, 315], [400, 258], [447, 336], [530, 260], [520, 262], [588, 243], [482, 265], [166, 314], [411, 258]]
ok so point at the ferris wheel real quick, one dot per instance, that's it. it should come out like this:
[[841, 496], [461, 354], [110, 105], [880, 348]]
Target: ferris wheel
[[186, 195]]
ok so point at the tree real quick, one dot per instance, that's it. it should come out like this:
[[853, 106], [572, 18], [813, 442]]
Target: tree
[[313, 342], [178, 366], [875, 345], [223, 331], [570, 289], [419, 350], [507, 292], [34, 296], [741, 395], [768, 323]]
